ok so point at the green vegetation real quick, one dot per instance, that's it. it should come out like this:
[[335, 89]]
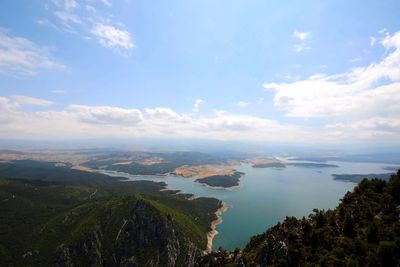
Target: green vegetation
[[356, 178], [48, 171], [55, 215], [364, 230], [139, 169], [225, 181]]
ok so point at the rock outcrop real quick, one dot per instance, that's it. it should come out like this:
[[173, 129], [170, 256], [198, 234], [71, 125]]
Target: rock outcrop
[[146, 238]]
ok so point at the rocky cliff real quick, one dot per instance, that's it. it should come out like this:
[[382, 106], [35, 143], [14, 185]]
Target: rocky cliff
[[146, 237]]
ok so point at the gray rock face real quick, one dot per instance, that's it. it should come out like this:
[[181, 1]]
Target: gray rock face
[[89, 247], [145, 238], [147, 230]]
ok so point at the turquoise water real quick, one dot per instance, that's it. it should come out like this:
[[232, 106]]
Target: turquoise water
[[268, 195]]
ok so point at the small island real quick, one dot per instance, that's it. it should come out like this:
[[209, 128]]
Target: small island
[[222, 181]]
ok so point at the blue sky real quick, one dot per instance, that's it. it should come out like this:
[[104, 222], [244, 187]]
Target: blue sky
[[289, 71]]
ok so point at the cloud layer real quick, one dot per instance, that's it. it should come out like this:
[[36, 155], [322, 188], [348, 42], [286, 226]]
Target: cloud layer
[[21, 56], [302, 38], [364, 97], [82, 121], [370, 90], [88, 21], [110, 36]]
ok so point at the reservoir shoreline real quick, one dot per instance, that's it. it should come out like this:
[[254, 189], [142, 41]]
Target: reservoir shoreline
[[211, 234]]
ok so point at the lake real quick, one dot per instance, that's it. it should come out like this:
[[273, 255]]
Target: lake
[[268, 195]]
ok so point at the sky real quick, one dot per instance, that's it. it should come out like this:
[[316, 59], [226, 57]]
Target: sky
[[298, 72]]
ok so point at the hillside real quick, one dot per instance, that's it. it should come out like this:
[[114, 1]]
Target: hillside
[[76, 218], [364, 230]]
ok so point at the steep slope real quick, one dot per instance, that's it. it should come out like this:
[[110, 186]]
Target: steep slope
[[92, 221], [364, 230], [127, 230]]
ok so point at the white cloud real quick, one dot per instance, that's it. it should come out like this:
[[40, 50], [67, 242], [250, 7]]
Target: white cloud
[[383, 31], [106, 114], [21, 56], [57, 91], [66, 13], [370, 124], [242, 104], [376, 128], [106, 2], [10, 113], [46, 22], [164, 113], [67, 17], [196, 106], [91, 18], [301, 47], [82, 121], [378, 123], [91, 8], [66, 4], [111, 36], [227, 121], [27, 100], [302, 36], [363, 91], [167, 115], [356, 59], [70, 4], [372, 40], [6, 104]]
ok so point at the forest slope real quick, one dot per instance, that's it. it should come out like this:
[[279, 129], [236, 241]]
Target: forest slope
[[77, 218]]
